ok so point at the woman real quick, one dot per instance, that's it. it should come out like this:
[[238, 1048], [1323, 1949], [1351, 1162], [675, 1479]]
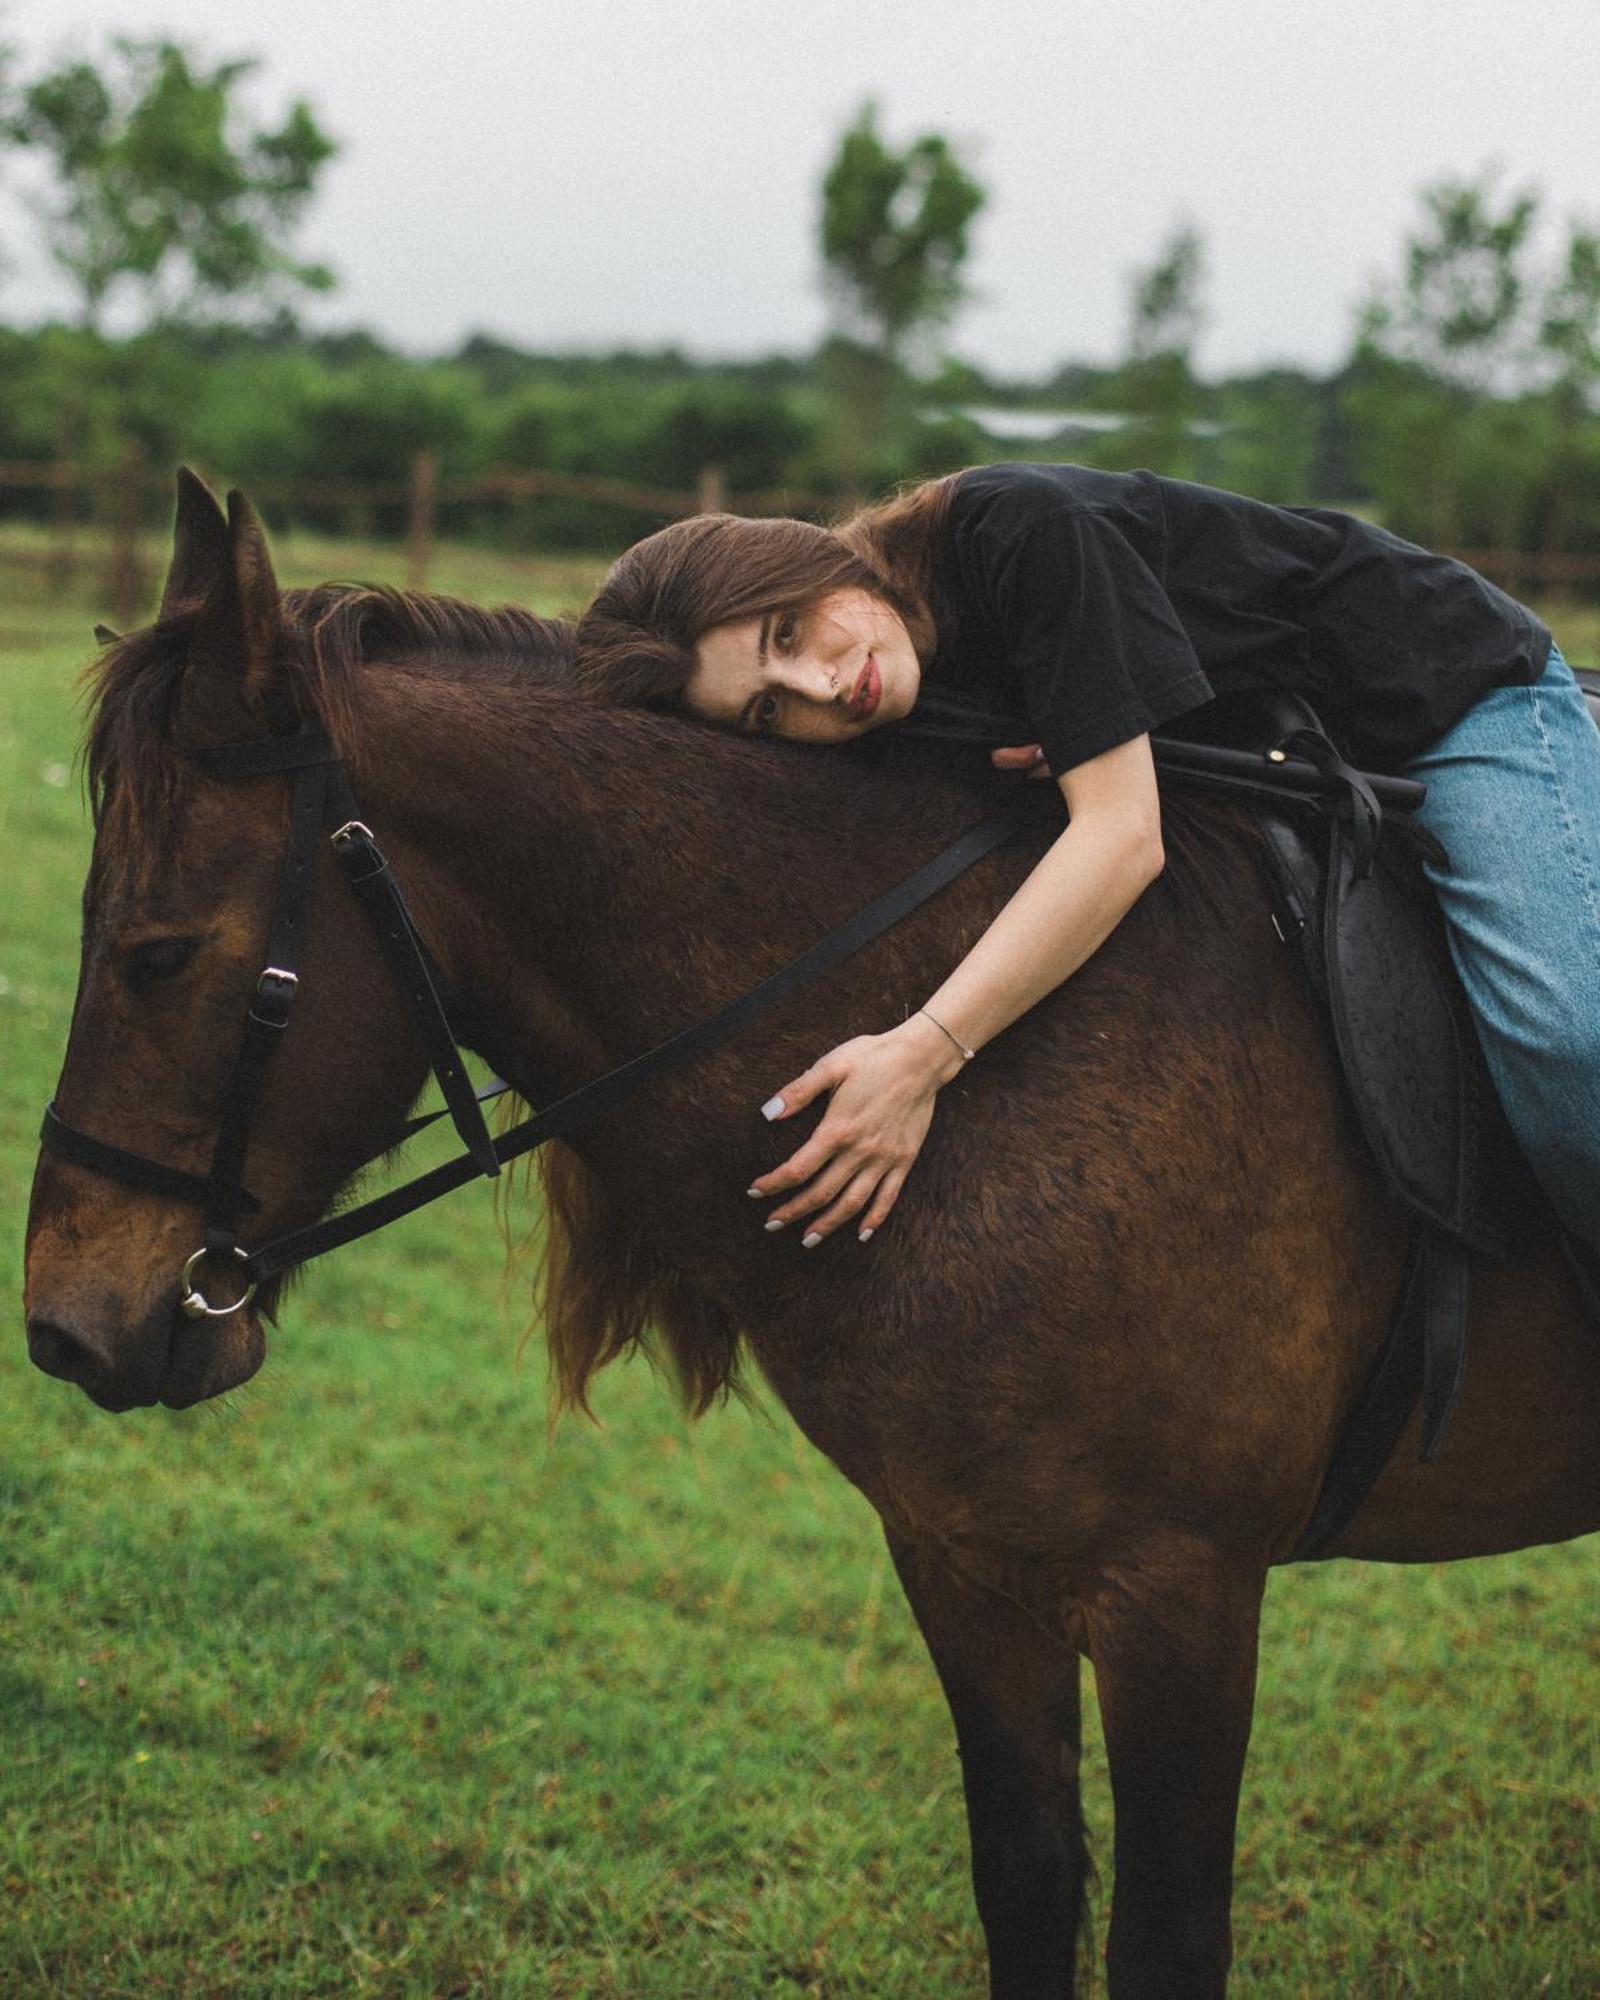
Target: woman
[[1089, 608]]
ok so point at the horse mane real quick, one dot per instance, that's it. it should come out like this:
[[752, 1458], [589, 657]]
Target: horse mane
[[600, 1288], [134, 759]]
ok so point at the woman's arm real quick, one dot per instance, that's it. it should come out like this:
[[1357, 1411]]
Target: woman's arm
[[883, 1086]]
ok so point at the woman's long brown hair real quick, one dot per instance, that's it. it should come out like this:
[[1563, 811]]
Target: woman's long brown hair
[[636, 641]]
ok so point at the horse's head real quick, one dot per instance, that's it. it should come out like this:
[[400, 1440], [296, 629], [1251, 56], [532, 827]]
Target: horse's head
[[176, 915]]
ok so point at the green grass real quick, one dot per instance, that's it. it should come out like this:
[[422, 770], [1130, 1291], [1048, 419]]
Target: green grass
[[357, 1683]]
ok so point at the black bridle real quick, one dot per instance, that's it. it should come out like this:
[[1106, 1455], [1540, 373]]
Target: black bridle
[[323, 803]]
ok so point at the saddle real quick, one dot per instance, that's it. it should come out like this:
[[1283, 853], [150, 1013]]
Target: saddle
[[1350, 897]]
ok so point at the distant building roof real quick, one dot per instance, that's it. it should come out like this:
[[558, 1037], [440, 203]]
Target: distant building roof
[[1036, 426], [1003, 426]]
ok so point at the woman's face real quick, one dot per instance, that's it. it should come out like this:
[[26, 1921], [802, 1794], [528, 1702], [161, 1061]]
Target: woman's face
[[825, 675]]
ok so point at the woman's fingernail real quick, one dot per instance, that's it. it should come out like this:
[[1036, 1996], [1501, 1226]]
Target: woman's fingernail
[[754, 1193], [810, 1240], [773, 1108], [775, 1223], [865, 1236]]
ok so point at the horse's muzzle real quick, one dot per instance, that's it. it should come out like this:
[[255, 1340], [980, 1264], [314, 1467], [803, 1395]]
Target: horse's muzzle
[[72, 1354], [171, 1360]]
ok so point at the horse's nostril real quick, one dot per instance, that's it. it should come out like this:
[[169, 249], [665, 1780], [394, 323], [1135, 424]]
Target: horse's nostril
[[62, 1353]]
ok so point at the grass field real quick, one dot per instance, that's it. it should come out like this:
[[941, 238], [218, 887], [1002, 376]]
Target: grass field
[[358, 1684]]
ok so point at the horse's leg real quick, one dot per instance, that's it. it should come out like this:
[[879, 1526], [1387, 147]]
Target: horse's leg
[[1012, 1686], [1172, 1635]]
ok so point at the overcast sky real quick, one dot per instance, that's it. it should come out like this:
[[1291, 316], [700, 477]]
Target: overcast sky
[[646, 171]]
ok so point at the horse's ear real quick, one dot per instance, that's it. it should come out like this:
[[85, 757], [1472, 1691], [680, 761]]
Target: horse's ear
[[232, 686], [260, 605], [200, 557]]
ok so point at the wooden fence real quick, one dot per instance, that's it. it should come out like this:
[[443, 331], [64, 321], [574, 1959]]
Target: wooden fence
[[116, 499]]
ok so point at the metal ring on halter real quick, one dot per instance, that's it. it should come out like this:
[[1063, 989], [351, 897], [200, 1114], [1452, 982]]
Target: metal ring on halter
[[196, 1304]]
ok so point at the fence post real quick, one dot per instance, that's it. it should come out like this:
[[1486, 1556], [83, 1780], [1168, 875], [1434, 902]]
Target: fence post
[[62, 560], [124, 582], [421, 509], [711, 491]]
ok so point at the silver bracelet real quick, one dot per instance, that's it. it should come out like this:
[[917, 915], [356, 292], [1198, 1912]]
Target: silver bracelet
[[966, 1053]]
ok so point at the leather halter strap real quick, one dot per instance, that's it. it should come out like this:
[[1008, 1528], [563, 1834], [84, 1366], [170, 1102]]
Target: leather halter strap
[[320, 802], [220, 1193]]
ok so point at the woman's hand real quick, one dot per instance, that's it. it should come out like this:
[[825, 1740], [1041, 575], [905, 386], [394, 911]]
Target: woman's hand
[[883, 1087]]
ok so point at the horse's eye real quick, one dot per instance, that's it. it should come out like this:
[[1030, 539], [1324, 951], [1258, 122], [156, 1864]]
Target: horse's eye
[[162, 958]]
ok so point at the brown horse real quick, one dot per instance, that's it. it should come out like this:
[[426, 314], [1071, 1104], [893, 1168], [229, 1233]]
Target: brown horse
[[1092, 1372]]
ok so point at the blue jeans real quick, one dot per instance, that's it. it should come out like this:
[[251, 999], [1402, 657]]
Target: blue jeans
[[1514, 795]]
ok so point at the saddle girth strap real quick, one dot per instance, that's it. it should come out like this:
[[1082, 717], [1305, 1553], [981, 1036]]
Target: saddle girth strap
[[1423, 1353]]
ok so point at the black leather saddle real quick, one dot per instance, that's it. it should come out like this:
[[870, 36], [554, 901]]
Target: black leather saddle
[[1350, 894]]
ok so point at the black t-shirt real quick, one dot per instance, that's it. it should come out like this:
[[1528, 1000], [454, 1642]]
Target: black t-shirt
[[1091, 607]]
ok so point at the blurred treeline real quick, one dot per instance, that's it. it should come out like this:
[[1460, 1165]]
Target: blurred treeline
[[1464, 414], [280, 404]]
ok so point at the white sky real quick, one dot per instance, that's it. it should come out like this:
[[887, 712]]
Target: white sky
[[645, 171]]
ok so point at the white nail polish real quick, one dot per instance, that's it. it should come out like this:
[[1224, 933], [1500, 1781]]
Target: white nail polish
[[773, 1224], [773, 1108], [810, 1241], [754, 1193], [865, 1236]]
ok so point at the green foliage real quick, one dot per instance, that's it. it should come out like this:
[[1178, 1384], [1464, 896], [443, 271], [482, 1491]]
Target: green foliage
[[1512, 466], [1471, 387], [894, 232], [1570, 326], [1274, 437], [368, 422], [162, 186], [1157, 386], [894, 236], [1167, 312], [1458, 311]]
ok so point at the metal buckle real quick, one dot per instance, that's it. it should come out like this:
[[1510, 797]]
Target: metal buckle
[[194, 1302], [276, 1004], [342, 836]]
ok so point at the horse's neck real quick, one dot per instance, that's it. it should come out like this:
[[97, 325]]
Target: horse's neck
[[587, 900]]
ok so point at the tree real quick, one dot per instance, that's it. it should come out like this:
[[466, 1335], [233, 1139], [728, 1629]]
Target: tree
[[1459, 311], [1157, 382], [7, 137], [1569, 335], [162, 183], [1167, 313], [894, 233], [1449, 389]]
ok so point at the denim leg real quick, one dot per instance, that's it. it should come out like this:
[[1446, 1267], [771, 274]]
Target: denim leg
[[1514, 795]]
